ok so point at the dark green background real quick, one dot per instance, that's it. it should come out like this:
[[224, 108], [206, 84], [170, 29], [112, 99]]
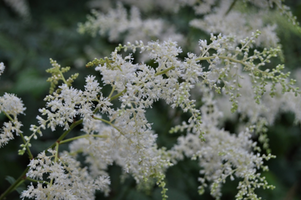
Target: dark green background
[[27, 45]]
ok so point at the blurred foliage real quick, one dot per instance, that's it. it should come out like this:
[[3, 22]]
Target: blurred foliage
[[25, 49]]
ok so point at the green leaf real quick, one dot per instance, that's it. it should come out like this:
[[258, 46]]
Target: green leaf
[[10, 179]]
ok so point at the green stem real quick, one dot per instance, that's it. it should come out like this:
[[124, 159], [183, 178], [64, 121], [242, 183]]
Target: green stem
[[222, 57], [117, 95], [15, 184], [66, 133], [63, 78], [164, 71], [231, 59], [56, 152], [111, 98], [36, 181], [111, 93], [230, 8], [27, 148], [105, 121], [8, 116], [81, 136]]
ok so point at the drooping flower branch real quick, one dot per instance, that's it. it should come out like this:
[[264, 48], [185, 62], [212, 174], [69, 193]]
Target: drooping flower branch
[[115, 129]]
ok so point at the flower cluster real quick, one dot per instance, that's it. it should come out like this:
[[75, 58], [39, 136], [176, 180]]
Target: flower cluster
[[226, 76], [238, 23], [62, 179], [117, 22], [222, 155], [228, 17], [11, 106], [123, 135]]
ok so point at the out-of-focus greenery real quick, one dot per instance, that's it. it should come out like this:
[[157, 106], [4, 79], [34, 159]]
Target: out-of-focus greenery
[[25, 49]]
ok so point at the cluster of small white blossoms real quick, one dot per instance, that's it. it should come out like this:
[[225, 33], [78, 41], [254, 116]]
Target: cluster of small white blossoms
[[117, 22], [66, 179], [11, 106], [62, 179], [228, 17], [222, 154], [126, 144], [268, 108], [242, 88], [67, 103], [238, 23], [120, 133], [123, 135], [128, 141], [231, 17], [214, 152]]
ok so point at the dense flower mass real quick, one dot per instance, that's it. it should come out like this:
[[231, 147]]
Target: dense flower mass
[[11, 106], [123, 135], [117, 22], [65, 179], [214, 80]]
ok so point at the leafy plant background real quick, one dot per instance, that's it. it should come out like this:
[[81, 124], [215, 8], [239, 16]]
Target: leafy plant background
[[25, 49]]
